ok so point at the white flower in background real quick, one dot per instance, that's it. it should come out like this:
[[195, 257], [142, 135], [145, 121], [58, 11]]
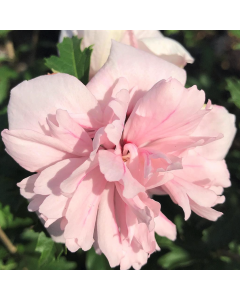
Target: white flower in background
[[147, 40]]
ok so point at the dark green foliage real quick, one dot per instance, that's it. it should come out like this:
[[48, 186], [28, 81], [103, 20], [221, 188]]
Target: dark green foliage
[[233, 86], [200, 244], [72, 60], [95, 261]]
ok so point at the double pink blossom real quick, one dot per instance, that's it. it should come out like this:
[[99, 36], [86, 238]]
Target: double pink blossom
[[100, 150], [151, 41]]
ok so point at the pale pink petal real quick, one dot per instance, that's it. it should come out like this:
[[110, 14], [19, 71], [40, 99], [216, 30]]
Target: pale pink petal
[[71, 134], [219, 120], [49, 222], [157, 179], [32, 101], [56, 230], [145, 238], [133, 163], [153, 205], [202, 196], [27, 186], [178, 144], [178, 195], [114, 131], [32, 150], [120, 213], [142, 212], [114, 117], [117, 107], [131, 222], [50, 179], [69, 185], [123, 59], [111, 165], [135, 256], [82, 210], [118, 101], [217, 189], [129, 38], [219, 172], [205, 212], [168, 109], [35, 203], [72, 245], [101, 139], [156, 163], [203, 171], [220, 200], [108, 236], [165, 227], [129, 185], [53, 206]]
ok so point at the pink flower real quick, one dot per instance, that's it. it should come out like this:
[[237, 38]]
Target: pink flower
[[99, 150], [151, 41]]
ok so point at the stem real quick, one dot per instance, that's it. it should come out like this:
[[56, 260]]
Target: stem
[[11, 248], [10, 50]]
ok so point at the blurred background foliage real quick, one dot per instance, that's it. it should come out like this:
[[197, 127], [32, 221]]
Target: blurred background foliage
[[200, 244]]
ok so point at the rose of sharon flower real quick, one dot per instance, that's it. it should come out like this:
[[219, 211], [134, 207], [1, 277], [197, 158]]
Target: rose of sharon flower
[[99, 150], [151, 41]]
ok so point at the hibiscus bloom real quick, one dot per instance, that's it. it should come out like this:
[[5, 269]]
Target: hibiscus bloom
[[99, 150], [151, 41]]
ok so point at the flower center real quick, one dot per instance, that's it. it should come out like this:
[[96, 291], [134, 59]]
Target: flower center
[[126, 157]]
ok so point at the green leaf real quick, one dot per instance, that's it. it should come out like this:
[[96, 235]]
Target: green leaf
[[9, 265], [51, 252], [178, 257], [45, 246], [72, 60], [95, 261], [170, 32], [235, 33], [233, 86], [236, 47], [4, 33]]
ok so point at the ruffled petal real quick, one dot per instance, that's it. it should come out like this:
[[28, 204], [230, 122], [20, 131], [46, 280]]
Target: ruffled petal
[[165, 227], [205, 212], [50, 179], [123, 59], [219, 120], [178, 195], [82, 210], [32, 150], [70, 133], [108, 236], [27, 186], [70, 184], [111, 165], [168, 109], [53, 207], [32, 101]]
